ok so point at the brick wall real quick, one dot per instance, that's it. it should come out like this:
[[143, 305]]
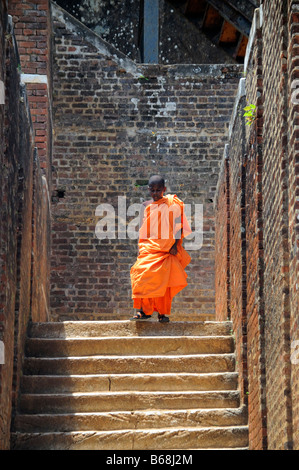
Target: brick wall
[[8, 281], [222, 241], [255, 243], [16, 186], [237, 254], [112, 129], [20, 235], [293, 210], [32, 25], [275, 215], [269, 321]]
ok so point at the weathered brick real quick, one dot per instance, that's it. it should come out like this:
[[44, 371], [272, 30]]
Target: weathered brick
[[119, 129], [24, 240], [266, 292]]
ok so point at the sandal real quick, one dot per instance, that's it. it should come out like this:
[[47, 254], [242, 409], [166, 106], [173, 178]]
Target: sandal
[[163, 318], [140, 316]]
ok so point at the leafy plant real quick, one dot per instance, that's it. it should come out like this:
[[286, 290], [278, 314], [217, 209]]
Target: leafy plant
[[140, 183], [142, 77], [250, 114]]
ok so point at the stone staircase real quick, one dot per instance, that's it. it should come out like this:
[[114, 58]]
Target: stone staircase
[[115, 385]]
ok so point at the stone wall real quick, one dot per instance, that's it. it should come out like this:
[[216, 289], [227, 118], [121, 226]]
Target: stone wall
[[24, 218], [117, 123], [269, 294]]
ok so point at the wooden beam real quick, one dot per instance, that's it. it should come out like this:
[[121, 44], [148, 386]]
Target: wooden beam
[[229, 33], [232, 16], [213, 20], [196, 7], [241, 48]]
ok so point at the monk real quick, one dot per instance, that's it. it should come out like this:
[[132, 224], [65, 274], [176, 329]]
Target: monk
[[158, 274]]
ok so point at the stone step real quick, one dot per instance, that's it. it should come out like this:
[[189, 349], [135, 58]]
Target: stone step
[[70, 329], [200, 363], [117, 420], [122, 382], [158, 439], [87, 316], [126, 385], [126, 401], [59, 347]]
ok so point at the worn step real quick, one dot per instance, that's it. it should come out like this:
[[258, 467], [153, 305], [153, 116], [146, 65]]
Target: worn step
[[116, 420], [86, 316], [58, 347], [158, 439], [70, 329], [121, 382], [126, 401], [131, 364]]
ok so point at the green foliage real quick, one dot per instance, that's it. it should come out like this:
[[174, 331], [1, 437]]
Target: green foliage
[[250, 114], [140, 183]]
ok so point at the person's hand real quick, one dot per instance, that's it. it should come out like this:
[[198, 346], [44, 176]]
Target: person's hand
[[173, 250]]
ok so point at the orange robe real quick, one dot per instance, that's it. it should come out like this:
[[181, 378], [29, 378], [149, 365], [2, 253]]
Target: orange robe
[[157, 276]]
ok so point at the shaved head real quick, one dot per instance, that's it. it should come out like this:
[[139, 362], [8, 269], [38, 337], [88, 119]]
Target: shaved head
[[157, 180]]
